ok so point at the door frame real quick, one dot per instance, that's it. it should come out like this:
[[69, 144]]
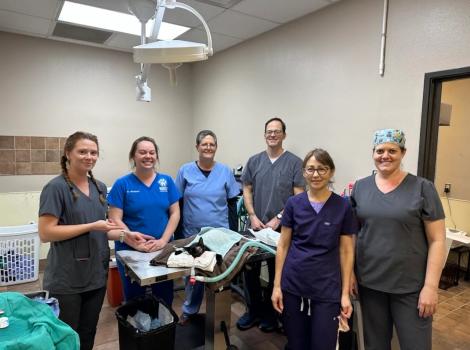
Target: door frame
[[430, 118]]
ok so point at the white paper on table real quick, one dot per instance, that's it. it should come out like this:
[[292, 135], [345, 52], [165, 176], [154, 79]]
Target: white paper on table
[[267, 236], [136, 256], [459, 236]]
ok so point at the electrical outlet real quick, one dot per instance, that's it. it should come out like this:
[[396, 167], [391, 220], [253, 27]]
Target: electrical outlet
[[447, 188]]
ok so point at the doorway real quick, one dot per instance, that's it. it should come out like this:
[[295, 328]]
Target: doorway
[[431, 112]]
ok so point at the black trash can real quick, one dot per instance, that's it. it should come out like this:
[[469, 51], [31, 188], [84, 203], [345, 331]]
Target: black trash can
[[162, 337]]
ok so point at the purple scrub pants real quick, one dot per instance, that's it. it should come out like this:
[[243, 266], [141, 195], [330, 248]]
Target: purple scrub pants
[[317, 331]]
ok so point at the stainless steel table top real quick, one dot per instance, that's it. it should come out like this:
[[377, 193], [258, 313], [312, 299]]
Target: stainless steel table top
[[139, 269]]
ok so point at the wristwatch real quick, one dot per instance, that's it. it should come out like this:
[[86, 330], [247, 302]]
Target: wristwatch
[[279, 216]]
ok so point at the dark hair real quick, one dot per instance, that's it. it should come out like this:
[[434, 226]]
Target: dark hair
[[68, 147], [321, 156], [276, 119], [203, 133], [136, 143]]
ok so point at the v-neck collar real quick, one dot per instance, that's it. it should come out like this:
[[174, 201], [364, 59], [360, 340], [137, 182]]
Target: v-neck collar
[[80, 191], [324, 204], [269, 159], [392, 191], [143, 183], [201, 171]]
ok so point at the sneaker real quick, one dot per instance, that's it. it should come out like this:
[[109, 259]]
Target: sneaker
[[268, 325], [247, 321]]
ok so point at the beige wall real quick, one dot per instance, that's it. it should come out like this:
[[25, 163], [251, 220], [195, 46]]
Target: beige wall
[[51, 88], [320, 73], [453, 152]]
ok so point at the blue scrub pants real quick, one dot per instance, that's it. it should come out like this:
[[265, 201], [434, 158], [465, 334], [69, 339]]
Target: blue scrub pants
[[317, 331], [194, 295], [381, 310], [162, 290]]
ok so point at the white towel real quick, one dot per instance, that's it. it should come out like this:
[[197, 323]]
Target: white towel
[[204, 262]]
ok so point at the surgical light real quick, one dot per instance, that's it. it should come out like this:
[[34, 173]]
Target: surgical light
[[170, 53]]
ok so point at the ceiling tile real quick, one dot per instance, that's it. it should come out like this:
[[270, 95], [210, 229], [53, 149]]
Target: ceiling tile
[[186, 18], [280, 11], [238, 25], [39, 8], [176, 16], [123, 41], [219, 41], [113, 5], [15, 22]]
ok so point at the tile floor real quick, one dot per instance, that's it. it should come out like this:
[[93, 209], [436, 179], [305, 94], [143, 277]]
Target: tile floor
[[451, 327]]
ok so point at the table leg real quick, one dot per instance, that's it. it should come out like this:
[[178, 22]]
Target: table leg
[[218, 309]]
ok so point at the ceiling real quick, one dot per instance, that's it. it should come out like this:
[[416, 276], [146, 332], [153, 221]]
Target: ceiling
[[230, 21]]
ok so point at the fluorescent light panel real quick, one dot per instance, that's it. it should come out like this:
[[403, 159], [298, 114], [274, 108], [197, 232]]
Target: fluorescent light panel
[[114, 21]]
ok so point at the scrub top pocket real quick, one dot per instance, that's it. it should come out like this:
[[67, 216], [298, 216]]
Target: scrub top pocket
[[327, 235]]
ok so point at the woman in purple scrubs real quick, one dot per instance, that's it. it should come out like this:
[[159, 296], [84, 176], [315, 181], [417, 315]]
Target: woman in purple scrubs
[[314, 259]]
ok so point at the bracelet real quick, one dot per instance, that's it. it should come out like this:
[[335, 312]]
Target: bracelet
[[122, 235]]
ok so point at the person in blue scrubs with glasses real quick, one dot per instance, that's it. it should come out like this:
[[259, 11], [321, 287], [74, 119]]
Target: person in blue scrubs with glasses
[[209, 191], [147, 202]]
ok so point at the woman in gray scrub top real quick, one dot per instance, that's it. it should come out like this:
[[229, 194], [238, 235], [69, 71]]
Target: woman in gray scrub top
[[72, 216], [400, 249]]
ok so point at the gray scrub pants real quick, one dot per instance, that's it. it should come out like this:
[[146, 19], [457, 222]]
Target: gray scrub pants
[[381, 311]]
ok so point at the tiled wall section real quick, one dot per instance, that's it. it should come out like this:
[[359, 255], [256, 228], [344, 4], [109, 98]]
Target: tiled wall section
[[30, 155]]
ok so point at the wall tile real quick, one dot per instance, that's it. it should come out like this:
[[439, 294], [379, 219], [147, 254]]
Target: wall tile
[[22, 142], [52, 143], [7, 156], [62, 143], [52, 155], [7, 168], [30, 155], [23, 168], [7, 142], [52, 168], [23, 156], [38, 142], [38, 155], [38, 168]]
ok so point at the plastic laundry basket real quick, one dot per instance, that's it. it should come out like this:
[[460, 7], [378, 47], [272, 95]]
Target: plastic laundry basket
[[131, 338], [19, 254]]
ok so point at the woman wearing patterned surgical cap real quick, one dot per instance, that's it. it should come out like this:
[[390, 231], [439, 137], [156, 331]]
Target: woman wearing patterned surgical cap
[[400, 248]]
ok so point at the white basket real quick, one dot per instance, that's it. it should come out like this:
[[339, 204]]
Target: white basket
[[19, 254]]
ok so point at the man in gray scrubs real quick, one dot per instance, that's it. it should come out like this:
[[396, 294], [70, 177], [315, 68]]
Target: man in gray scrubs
[[269, 179]]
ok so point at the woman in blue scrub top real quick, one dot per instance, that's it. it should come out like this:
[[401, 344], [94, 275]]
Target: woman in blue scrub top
[[314, 259], [147, 202], [209, 189]]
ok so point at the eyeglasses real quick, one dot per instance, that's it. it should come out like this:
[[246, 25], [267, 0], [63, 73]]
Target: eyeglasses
[[273, 132], [208, 145], [320, 170]]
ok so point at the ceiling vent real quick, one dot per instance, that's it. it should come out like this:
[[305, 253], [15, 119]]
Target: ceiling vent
[[69, 31], [226, 4]]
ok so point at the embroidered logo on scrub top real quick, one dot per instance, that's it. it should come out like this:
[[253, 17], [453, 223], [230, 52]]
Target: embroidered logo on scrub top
[[163, 185], [132, 191]]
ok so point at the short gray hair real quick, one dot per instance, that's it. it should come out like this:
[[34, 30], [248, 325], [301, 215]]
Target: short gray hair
[[203, 133]]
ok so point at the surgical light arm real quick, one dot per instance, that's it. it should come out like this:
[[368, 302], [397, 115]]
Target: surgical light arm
[[143, 91]]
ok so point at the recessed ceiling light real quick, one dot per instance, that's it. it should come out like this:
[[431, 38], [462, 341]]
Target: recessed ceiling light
[[114, 21]]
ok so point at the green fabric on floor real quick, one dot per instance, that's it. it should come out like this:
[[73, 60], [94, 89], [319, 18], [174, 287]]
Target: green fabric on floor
[[33, 326]]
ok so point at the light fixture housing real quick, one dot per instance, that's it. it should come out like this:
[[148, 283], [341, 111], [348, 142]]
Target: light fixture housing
[[170, 53]]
